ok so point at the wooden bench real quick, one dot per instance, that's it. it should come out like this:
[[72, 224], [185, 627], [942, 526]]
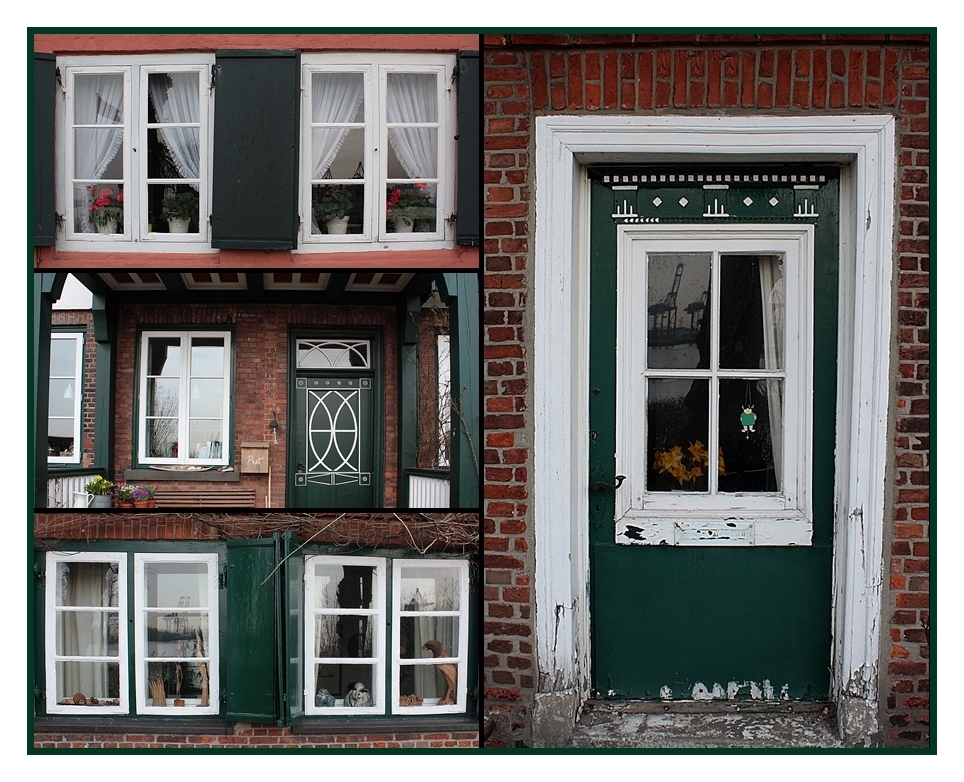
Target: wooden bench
[[220, 497]]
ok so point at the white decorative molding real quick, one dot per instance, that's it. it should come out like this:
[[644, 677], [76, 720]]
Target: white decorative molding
[[564, 145]]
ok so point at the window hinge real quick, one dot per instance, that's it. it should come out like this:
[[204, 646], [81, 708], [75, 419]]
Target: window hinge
[[60, 79], [40, 573], [59, 220], [223, 578], [455, 75], [38, 693], [451, 218], [214, 77]]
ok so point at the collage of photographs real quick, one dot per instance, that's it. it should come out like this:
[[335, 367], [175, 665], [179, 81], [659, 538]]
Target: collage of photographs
[[479, 392]]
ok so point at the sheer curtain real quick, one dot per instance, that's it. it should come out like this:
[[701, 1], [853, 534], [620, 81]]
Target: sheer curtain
[[412, 99], [87, 633], [335, 98], [773, 299], [98, 100], [176, 99]]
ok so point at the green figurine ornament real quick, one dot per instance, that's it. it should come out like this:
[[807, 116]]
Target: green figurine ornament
[[748, 419]]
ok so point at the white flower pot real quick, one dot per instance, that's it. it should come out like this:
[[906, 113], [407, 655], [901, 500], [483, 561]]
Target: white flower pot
[[110, 227], [176, 226], [338, 226], [404, 225]]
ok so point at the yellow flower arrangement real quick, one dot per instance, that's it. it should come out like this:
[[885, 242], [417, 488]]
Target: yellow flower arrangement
[[686, 468]]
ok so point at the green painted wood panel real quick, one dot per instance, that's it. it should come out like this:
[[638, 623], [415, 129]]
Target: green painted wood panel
[[683, 618], [469, 137], [256, 144], [41, 143], [251, 654]]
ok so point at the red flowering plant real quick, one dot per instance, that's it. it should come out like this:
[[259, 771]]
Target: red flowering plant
[[107, 206], [410, 202]]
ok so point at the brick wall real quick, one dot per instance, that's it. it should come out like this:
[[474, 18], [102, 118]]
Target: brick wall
[[261, 378], [529, 75]]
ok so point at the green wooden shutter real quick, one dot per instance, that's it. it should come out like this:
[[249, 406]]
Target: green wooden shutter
[[467, 206], [256, 132], [252, 638], [44, 90], [294, 620]]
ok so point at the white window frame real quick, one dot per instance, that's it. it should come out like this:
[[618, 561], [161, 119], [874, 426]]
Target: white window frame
[[134, 235], [184, 396], [54, 558], [78, 379], [376, 611], [212, 654], [460, 660], [713, 518], [375, 68]]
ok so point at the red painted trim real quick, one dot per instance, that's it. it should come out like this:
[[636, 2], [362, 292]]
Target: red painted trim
[[152, 43], [459, 258]]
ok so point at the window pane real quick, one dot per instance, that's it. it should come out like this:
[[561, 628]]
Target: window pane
[[751, 312], [79, 683], [205, 439], [162, 397], [172, 209], [410, 207], [61, 402], [99, 209], [751, 435], [342, 586], [331, 204], [344, 635], [338, 685], [207, 398], [678, 306], [677, 426], [207, 357], [176, 584], [412, 97], [426, 637], [427, 588], [330, 354], [63, 357], [162, 438], [87, 584], [164, 356], [87, 633], [175, 633], [185, 679]]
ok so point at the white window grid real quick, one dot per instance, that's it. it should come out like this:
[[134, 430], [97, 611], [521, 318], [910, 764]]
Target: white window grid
[[184, 399], [75, 385], [135, 71], [210, 649], [54, 613], [375, 69]]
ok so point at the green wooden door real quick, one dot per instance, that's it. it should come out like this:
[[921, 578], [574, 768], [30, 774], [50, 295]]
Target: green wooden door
[[712, 394], [332, 456]]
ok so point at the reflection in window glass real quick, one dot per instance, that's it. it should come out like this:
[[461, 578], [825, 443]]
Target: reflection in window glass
[[677, 425], [678, 308]]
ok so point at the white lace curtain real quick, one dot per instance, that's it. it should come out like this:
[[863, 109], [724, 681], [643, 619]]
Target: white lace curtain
[[412, 98], [98, 100], [335, 98], [176, 99], [87, 633], [773, 300]]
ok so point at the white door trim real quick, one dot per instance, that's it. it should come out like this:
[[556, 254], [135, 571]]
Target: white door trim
[[564, 145]]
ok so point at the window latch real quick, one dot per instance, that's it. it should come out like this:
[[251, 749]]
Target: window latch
[[600, 485]]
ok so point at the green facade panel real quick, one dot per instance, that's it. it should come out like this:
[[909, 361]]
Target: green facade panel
[[43, 93], [470, 138]]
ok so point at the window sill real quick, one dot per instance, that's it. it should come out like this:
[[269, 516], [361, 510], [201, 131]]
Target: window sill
[[195, 476], [173, 725], [320, 726]]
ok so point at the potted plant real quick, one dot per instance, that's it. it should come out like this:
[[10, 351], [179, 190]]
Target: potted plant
[[143, 496], [100, 490], [332, 209], [178, 209], [106, 209], [407, 204], [123, 494]]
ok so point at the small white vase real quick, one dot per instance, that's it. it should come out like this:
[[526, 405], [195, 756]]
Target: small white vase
[[404, 225], [338, 226], [110, 227], [177, 226]]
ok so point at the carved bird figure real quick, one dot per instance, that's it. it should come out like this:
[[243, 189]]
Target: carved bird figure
[[358, 695], [449, 671]]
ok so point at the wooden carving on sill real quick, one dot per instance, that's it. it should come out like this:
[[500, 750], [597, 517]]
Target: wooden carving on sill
[[202, 667], [448, 670]]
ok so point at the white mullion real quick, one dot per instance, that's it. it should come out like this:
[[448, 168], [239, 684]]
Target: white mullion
[[714, 390]]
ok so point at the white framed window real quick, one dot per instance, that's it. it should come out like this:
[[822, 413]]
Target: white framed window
[[713, 415], [176, 633], [443, 363], [184, 397], [378, 150], [86, 633], [345, 635], [66, 396], [135, 155], [430, 638]]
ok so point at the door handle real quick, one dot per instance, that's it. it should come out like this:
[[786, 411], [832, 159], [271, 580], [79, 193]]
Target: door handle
[[599, 485]]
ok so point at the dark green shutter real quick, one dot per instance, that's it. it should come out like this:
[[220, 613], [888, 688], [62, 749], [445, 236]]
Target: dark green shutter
[[294, 673], [470, 152], [252, 630], [255, 188], [44, 92]]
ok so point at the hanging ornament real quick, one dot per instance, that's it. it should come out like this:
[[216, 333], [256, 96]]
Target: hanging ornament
[[748, 417]]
